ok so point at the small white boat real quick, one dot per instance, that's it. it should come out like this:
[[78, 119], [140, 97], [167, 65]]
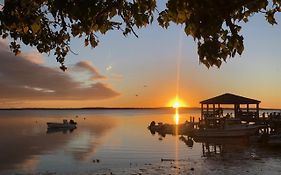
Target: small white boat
[[65, 124], [231, 128]]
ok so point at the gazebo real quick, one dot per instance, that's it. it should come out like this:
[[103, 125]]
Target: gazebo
[[213, 107]]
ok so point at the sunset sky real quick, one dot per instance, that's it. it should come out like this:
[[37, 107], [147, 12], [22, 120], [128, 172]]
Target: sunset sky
[[148, 71]]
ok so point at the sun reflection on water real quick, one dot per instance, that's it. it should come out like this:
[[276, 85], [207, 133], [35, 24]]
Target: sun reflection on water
[[176, 117]]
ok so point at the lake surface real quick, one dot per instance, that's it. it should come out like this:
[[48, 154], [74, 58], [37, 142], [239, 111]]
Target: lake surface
[[110, 139]]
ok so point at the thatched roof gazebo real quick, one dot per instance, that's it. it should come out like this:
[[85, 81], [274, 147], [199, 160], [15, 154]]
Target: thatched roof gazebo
[[213, 106]]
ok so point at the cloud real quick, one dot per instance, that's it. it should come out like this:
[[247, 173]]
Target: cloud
[[87, 66], [23, 78]]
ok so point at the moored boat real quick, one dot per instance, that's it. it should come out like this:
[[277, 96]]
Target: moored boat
[[65, 124], [163, 129]]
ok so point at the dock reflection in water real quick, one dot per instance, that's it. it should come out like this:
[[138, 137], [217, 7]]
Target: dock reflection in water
[[224, 147]]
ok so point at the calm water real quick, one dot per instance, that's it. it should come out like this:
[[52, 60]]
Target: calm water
[[118, 139]]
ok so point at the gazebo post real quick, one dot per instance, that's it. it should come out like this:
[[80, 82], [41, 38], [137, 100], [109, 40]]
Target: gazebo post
[[202, 109], [258, 110], [235, 110]]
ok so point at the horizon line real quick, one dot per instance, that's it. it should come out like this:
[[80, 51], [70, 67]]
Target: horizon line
[[104, 108], [70, 108]]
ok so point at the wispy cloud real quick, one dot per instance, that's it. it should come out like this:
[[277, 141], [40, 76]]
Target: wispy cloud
[[25, 77], [88, 66]]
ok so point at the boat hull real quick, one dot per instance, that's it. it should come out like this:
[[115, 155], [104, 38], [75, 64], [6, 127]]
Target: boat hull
[[61, 125], [182, 129]]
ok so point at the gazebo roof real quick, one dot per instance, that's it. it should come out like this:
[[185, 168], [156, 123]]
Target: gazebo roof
[[230, 99]]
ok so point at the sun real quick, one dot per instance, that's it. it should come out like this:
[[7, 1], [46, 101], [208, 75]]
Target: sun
[[177, 103]]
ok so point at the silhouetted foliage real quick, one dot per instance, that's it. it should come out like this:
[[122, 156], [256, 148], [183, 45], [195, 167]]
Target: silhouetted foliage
[[49, 25]]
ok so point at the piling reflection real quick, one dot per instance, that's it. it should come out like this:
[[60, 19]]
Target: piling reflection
[[211, 150]]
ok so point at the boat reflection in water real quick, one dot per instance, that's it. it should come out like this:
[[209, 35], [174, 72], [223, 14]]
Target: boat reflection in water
[[60, 130], [187, 140]]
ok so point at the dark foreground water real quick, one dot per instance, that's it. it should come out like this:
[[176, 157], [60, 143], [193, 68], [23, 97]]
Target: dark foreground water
[[114, 140]]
